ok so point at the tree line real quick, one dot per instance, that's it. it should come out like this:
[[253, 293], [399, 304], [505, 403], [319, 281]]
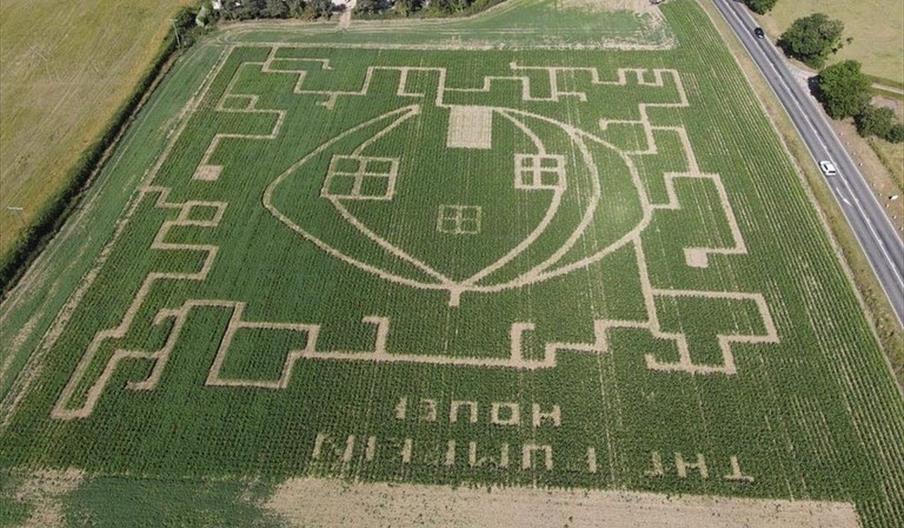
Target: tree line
[[251, 9], [311, 9]]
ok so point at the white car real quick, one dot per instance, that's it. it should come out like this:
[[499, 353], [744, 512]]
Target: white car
[[828, 168]]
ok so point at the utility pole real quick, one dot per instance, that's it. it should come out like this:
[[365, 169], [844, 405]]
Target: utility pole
[[176, 31]]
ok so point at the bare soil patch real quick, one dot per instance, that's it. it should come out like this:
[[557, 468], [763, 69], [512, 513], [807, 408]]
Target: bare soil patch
[[43, 490], [642, 7], [326, 502]]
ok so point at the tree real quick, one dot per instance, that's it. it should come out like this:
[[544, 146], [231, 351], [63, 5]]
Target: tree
[[242, 9], [880, 122], [322, 8], [296, 8], [760, 6], [406, 7], [369, 7], [275, 9], [450, 6], [873, 121], [812, 39], [843, 89]]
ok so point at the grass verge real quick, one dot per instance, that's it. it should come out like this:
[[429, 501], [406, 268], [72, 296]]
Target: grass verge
[[892, 156]]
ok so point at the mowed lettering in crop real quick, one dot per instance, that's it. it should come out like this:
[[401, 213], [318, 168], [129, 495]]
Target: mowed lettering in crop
[[565, 268]]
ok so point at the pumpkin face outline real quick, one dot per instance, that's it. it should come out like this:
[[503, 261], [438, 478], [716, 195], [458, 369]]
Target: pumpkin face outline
[[329, 175]]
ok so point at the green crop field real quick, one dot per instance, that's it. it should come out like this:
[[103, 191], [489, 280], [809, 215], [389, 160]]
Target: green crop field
[[564, 263]]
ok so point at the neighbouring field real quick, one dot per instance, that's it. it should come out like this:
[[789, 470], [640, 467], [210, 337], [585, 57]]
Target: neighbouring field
[[877, 27], [563, 264], [65, 68]]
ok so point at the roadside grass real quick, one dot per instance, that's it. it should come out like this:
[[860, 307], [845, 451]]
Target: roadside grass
[[875, 25], [892, 156], [65, 69]]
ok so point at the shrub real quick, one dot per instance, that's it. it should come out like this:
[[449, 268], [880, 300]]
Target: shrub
[[371, 7], [406, 7], [249, 9], [896, 134], [275, 9]]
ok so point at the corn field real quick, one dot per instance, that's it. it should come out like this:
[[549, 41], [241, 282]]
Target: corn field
[[562, 268]]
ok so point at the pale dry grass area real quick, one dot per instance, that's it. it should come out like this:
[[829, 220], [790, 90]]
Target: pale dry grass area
[[44, 491], [877, 27], [65, 69], [328, 502]]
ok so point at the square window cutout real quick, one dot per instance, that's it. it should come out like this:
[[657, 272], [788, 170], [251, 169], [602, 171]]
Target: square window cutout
[[360, 178], [342, 185], [345, 164], [459, 219], [374, 186], [378, 166], [539, 171]]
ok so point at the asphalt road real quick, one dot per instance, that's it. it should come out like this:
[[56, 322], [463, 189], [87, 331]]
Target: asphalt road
[[866, 217]]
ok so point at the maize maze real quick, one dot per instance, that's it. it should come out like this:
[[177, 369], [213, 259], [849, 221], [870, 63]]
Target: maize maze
[[528, 267]]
